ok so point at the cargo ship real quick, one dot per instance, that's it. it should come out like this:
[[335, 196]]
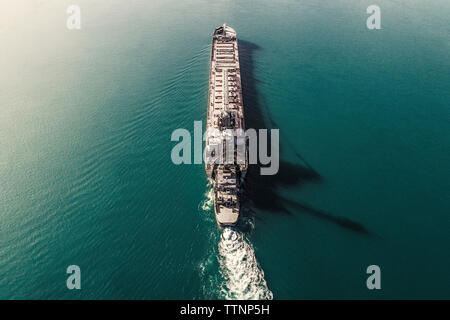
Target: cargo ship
[[227, 162]]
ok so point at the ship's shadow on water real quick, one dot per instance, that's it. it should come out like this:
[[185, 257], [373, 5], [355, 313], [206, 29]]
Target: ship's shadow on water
[[261, 190]]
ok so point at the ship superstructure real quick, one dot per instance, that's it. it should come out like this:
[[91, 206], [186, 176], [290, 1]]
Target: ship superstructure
[[225, 117]]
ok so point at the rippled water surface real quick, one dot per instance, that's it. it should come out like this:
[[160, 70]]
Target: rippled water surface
[[86, 176]]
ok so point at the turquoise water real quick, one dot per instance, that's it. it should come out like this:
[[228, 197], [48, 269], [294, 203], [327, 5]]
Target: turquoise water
[[86, 176]]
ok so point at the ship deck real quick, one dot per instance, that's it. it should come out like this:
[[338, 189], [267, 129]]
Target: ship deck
[[225, 111]]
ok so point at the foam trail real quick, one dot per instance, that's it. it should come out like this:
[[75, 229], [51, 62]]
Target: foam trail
[[243, 277], [208, 203]]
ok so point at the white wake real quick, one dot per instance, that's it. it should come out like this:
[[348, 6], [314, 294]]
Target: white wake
[[241, 276], [244, 279]]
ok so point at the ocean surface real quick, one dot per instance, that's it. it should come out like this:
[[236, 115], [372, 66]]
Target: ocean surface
[[86, 176]]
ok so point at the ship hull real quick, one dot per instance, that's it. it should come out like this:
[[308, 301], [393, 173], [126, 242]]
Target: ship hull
[[226, 158]]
